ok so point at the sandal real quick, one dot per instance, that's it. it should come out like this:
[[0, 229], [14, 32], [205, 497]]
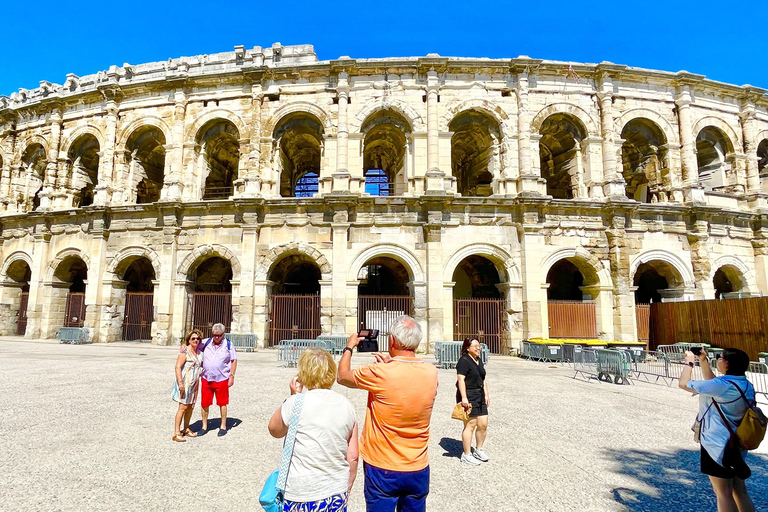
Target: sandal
[[179, 438], [188, 433]]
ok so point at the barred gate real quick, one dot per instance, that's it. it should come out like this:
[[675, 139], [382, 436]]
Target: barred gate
[[209, 308], [378, 312], [21, 326], [139, 313], [293, 317], [572, 319], [75, 312], [643, 317], [484, 318]]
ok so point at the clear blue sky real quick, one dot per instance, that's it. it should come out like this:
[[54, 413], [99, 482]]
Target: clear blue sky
[[726, 41]]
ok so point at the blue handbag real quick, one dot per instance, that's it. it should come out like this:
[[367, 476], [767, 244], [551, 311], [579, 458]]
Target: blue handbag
[[271, 497]]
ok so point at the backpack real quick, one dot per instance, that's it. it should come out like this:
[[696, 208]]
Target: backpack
[[205, 345], [751, 429]]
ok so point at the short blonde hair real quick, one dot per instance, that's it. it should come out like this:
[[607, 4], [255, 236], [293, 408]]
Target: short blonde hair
[[316, 369]]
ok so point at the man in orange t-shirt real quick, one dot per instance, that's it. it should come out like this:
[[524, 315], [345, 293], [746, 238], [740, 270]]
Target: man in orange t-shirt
[[401, 392]]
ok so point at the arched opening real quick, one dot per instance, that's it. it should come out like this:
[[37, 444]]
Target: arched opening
[[211, 295], [475, 153], [383, 294], [571, 312], [729, 283], [762, 164], [299, 146], [17, 293], [712, 148], [139, 300], [295, 299], [384, 153], [643, 156], [560, 155], [84, 158], [68, 294], [221, 158], [146, 147], [33, 164], [648, 283], [478, 305]]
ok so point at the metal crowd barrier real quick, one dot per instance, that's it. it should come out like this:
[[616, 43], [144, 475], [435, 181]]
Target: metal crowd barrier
[[335, 342], [73, 335], [584, 363], [288, 351], [613, 365], [245, 342], [448, 353], [543, 353]]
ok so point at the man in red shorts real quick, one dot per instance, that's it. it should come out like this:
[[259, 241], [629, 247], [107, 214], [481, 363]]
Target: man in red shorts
[[219, 366]]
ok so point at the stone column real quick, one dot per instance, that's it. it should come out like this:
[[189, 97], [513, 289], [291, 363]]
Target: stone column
[[103, 190], [170, 299], [341, 178], [95, 301], [262, 291], [530, 174], [534, 296], [760, 248], [691, 189], [173, 183], [619, 251], [250, 239], [435, 177], [698, 239], [436, 308], [252, 179], [339, 263], [614, 185], [37, 292], [48, 191], [747, 117]]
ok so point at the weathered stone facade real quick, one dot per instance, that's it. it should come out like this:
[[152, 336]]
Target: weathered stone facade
[[420, 166]]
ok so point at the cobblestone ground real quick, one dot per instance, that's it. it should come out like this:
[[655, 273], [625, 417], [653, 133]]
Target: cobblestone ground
[[89, 428]]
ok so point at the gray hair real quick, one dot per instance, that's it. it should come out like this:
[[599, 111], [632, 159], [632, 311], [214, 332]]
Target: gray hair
[[406, 331], [219, 328]]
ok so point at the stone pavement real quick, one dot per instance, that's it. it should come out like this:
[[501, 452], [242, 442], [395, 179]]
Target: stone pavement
[[89, 428]]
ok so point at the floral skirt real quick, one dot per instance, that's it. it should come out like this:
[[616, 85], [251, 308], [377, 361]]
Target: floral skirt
[[335, 503]]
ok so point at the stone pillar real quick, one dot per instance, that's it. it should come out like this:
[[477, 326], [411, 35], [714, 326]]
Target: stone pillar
[[341, 178], [53, 159], [760, 248], [691, 189], [619, 250], [339, 288], [107, 178], [530, 174], [262, 291], [435, 177], [698, 239], [534, 297], [95, 301], [749, 131], [36, 312], [250, 239], [170, 297], [173, 183], [436, 308], [252, 178], [614, 185]]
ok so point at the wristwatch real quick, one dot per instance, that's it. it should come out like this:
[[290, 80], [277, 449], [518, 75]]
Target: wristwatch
[[690, 363], [345, 349]]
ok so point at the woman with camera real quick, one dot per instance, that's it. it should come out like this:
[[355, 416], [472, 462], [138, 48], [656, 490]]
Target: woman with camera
[[324, 462], [721, 408], [472, 394]]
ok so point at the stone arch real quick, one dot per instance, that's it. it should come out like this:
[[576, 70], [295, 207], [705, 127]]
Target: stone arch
[[298, 107], [587, 263], [682, 267], [484, 106], [193, 132], [747, 276], [120, 261], [141, 122], [669, 131], [372, 106], [505, 265], [396, 252], [28, 141], [194, 258], [14, 257], [266, 262], [61, 256], [731, 136], [75, 134], [586, 120]]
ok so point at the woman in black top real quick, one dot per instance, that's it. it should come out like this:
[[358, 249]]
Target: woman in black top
[[473, 390]]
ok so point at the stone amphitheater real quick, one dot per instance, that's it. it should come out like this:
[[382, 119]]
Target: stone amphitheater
[[289, 197]]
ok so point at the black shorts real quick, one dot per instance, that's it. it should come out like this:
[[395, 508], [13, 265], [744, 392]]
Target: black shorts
[[710, 467], [477, 399]]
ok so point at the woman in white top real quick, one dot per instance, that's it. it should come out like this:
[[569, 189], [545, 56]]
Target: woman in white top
[[325, 455]]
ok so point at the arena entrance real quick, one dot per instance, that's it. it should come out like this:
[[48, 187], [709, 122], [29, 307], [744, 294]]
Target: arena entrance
[[18, 275], [654, 281], [139, 301], [478, 306], [211, 299], [382, 295], [569, 314], [294, 311], [71, 275]]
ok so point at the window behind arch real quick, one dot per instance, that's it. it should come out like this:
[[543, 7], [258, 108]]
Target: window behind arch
[[307, 185], [377, 183]]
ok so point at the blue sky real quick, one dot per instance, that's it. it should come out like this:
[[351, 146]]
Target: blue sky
[[724, 41]]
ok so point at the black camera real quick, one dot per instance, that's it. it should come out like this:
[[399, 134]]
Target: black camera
[[370, 343], [696, 351]]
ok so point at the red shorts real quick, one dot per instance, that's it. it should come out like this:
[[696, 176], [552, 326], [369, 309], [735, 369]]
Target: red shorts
[[208, 389]]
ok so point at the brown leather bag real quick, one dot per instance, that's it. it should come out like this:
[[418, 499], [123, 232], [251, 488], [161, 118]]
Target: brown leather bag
[[460, 414]]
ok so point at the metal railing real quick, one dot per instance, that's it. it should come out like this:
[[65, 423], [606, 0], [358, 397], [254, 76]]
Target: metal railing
[[288, 351], [335, 342], [602, 364], [447, 353], [245, 342]]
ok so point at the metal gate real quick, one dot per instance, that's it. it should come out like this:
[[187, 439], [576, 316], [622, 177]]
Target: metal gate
[[378, 312], [484, 318], [643, 317], [139, 313], [209, 308], [572, 319], [293, 317], [75, 312], [21, 326]]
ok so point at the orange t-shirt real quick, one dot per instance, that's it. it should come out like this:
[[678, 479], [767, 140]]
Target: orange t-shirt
[[401, 393]]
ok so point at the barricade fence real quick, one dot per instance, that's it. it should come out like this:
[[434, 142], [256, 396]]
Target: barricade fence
[[447, 353]]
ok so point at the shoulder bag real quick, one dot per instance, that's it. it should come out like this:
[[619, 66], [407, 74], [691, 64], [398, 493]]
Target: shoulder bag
[[751, 430], [271, 497]]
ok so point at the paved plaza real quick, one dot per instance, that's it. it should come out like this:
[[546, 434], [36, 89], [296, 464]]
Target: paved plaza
[[89, 428]]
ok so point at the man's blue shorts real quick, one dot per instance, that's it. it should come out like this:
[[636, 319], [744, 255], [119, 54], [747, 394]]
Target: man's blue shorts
[[405, 491]]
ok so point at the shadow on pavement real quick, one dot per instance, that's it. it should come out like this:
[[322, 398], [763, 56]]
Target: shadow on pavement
[[673, 481], [215, 424], [452, 447]]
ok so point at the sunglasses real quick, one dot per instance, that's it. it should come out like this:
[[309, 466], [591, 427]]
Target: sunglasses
[[194, 338], [718, 356]]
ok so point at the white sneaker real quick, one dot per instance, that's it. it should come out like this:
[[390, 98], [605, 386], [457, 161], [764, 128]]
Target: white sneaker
[[469, 459], [480, 455]]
